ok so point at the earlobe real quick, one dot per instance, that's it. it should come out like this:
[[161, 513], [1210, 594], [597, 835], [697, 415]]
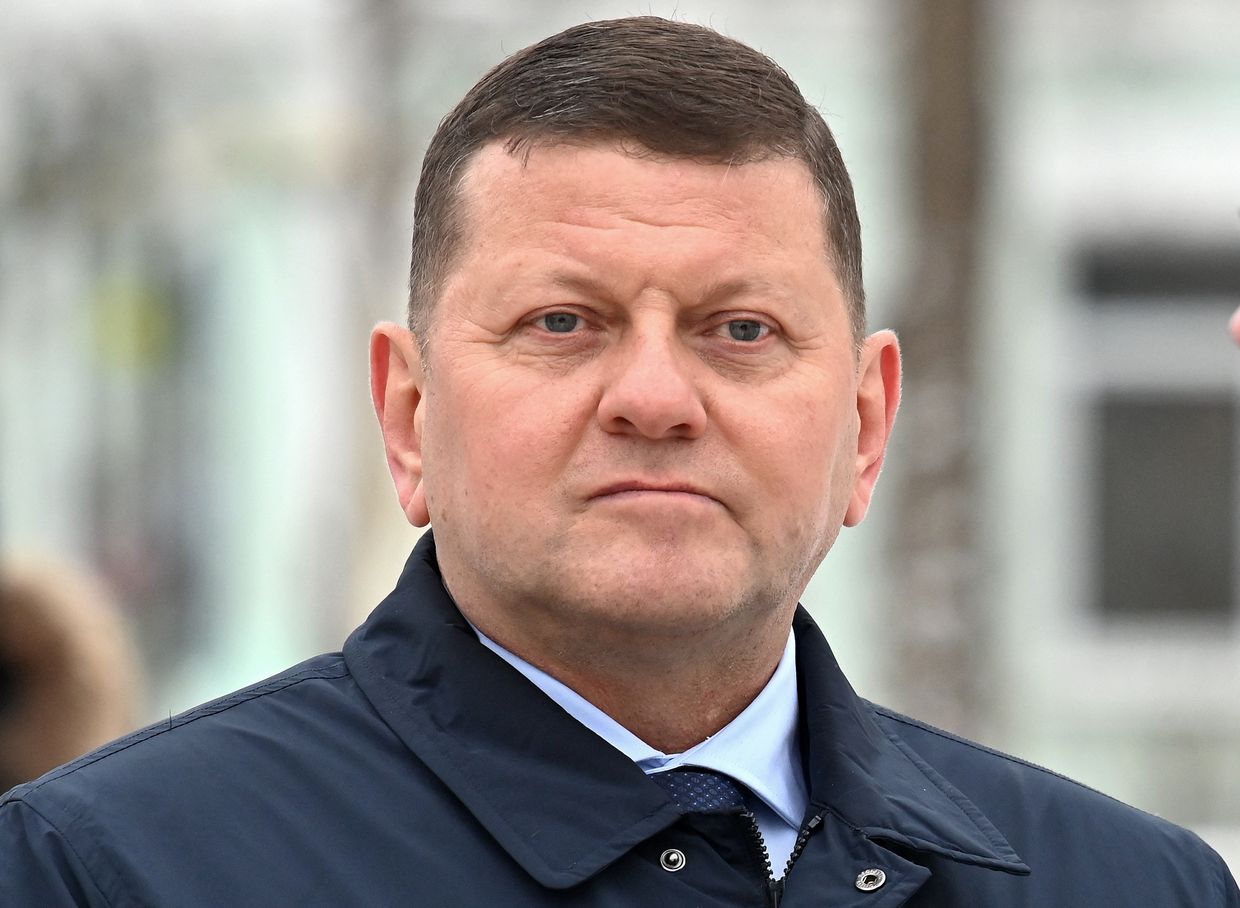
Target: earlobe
[[878, 398], [396, 389]]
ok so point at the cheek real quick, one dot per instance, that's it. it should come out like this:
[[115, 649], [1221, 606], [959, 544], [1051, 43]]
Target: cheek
[[502, 441], [802, 461], [801, 441]]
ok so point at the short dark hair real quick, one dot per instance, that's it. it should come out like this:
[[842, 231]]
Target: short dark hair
[[673, 88]]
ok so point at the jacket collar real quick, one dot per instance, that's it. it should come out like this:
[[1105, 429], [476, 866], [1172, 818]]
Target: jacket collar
[[562, 802], [875, 782]]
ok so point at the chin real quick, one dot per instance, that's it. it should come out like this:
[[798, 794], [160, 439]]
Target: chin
[[666, 617], [663, 598]]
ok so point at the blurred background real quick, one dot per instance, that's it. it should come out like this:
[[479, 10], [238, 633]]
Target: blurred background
[[205, 207]]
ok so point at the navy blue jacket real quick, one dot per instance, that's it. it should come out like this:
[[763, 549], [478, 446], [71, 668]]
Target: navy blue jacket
[[418, 769]]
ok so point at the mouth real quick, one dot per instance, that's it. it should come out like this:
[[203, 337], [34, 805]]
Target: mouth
[[638, 488]]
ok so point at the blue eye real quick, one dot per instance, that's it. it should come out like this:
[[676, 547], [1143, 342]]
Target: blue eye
[[746, 329], [560, 322]]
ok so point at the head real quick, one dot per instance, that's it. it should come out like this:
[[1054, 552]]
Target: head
[[68, 670], [635, 399], [670, 89]]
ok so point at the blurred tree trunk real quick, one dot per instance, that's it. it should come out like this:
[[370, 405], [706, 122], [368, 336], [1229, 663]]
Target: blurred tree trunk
[[939, 622], [383, 168], [384, 33]]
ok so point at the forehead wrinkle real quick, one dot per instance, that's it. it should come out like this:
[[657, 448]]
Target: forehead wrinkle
[[653, 210], [576, 274]]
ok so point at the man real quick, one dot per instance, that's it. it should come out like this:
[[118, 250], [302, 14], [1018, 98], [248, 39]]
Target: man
[[636, 402]]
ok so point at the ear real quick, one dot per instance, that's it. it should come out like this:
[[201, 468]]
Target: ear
[[878, 398], [396, 388]]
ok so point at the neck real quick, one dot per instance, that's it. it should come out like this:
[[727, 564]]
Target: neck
[[670, 690]]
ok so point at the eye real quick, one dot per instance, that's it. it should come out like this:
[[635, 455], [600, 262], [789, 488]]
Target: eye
[[747, 330], [561, 322]]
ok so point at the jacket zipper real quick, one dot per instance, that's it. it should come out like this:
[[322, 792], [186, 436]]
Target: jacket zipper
[[806, 831], [775, 888]]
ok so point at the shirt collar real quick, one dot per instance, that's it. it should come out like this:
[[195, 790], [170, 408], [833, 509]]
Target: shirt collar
[[759, 748]]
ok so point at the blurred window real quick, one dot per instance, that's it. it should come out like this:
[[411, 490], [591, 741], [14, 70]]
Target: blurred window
[[1166, 505], [1124, 273], [1164, 425]]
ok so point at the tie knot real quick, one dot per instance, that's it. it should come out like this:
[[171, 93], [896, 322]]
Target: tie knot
[[701, 790]]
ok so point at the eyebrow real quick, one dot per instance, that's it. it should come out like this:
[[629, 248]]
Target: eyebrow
[[728, 289], [580, 282]]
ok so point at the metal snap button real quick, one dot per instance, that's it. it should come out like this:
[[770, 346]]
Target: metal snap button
[[672, 860], [871, 879]]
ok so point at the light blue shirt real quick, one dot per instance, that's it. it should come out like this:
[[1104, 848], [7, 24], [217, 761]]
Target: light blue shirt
[[760, 748]]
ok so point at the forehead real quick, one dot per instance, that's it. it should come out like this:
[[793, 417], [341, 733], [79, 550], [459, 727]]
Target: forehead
[[505, 195]]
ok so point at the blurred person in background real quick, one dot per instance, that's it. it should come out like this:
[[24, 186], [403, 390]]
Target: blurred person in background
[[637, 402], [68, 669]]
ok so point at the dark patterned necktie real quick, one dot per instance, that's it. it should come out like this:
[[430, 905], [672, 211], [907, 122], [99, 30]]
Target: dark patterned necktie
[[701, 790]]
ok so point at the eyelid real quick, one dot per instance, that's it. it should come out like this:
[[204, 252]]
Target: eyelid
[[543, 311]]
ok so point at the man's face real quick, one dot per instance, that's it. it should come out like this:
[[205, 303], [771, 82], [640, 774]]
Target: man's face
[[641, 405]]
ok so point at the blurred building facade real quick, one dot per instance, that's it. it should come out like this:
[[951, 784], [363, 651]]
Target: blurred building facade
[[203, 210], [1113, 509]]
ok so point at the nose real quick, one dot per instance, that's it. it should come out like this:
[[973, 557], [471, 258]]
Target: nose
[[650, 390]]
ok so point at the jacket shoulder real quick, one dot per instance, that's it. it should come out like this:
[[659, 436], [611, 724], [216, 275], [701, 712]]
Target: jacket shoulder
[[1054, 821], [950, 749], [186, 802], [158, 748]]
